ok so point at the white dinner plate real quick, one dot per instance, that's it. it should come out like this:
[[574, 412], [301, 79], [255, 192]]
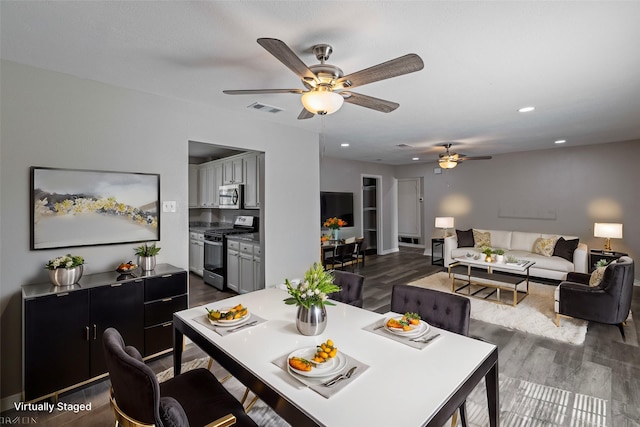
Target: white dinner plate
[[339, 362], [233, 322], [420, 329]]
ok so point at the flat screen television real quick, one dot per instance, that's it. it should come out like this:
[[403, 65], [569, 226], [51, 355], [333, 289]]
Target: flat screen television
[[339, 205]]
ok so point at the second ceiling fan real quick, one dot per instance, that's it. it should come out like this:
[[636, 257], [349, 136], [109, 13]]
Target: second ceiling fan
[[326, 85], [449, 159]]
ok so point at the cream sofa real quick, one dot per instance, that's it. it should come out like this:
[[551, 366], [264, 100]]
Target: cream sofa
[[520, 245]]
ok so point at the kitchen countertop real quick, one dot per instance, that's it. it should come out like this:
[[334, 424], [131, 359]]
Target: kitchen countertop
[[245, 237]]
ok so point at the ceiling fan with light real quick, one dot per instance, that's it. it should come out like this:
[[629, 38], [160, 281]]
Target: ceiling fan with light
[[326, 85], [450, 160]]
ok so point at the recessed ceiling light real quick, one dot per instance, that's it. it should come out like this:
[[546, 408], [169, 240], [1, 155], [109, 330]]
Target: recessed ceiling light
[[560, 141], [344, 144], [526, 109], [416, 158]]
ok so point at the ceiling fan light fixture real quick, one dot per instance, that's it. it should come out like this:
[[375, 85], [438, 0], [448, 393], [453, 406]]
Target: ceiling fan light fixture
[[447, 163], [322, 100]]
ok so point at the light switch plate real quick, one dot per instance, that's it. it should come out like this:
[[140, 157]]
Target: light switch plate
[[169, 206]]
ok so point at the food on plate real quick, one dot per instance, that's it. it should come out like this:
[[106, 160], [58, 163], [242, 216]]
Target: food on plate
[[300, 364], [325, 351], [406, 323], [237, 312], [127, 266]]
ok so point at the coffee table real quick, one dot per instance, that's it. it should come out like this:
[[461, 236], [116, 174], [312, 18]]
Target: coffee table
[[486, 280]]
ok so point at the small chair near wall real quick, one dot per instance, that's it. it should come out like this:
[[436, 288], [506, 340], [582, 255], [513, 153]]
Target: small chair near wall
[[609, 302]]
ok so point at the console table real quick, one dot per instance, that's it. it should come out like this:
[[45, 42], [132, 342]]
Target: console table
[[63, 325]]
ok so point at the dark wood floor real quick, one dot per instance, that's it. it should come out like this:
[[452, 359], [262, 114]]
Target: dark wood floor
[[604, 366]]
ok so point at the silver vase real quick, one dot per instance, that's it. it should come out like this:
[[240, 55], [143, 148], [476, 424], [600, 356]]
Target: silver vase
[[147, 263], [66, 276], [312, 320]]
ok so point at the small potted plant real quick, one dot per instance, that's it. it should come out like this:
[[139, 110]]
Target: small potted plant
[[499, 255], [147, 256], [488, 253], [65, 270]]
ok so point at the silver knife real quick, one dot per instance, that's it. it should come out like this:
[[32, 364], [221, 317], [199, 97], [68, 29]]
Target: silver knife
[[243, 326]]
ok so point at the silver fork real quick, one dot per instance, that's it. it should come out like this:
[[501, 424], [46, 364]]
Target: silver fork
[[340, 377]]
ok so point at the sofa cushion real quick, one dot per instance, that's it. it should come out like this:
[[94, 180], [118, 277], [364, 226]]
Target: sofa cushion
[[465, 238], [554, 263], [565, 248], [544, 246], [522, 241], [596, 276], [481, 238], [500, 239]]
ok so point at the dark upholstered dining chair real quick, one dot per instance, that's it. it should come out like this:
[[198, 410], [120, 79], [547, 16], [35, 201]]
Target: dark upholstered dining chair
[[608, 303], [194, 398], [442, 310], [343, 254], [352, 285]]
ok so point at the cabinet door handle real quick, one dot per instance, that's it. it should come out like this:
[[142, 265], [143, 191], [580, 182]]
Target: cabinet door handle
[[164, 325], [167, 275], [95, 332], [115, 285], [87, 334], [167, 299], [64, 294]]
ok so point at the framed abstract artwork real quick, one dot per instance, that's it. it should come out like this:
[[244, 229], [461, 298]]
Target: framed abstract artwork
[[73, 207]]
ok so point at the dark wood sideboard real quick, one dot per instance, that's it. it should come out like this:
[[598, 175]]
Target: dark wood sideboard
[[62, 327]]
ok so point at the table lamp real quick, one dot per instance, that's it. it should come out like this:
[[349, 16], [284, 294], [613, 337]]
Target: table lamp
[[444, 222], [608, 231]]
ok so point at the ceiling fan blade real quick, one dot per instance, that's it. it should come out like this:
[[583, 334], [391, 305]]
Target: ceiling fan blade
[[396, 67], [369, 102], [263, 91], [284, 54], [304, 114], [462, 159]]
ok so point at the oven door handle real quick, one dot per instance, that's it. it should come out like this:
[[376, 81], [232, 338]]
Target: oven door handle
[[211, 242]]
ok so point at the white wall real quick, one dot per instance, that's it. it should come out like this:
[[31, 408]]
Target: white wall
[[583, 185], [51, 119]]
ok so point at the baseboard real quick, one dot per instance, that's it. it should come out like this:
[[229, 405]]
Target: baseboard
[[8, 402], [389, 251], [411, 245]]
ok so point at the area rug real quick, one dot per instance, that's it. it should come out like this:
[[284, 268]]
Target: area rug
[[534, 315], [522, 403]]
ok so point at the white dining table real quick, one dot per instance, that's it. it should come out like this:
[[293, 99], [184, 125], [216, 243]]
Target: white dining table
[[402, 385]]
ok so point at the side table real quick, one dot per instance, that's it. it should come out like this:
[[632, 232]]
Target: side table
[[596, 255], [437, 251]]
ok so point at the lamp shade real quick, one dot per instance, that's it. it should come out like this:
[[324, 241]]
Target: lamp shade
[[446, 163], [607, 229], [321, 101], [444, 222]]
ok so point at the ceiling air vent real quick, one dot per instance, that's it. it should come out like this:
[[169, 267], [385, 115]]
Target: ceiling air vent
[[265, 108], [403, 146]]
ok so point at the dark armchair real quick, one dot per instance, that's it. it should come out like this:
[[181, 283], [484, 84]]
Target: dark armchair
[[352, 286], [608, 303], [194, 398]]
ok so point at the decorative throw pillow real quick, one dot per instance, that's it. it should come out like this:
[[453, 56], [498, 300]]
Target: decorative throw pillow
[[596, 276], [481, 239], [565, 248], [465, 238], [544, 246]]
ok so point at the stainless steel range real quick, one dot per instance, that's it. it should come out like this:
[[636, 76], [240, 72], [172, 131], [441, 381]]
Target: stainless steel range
[[215, 249]]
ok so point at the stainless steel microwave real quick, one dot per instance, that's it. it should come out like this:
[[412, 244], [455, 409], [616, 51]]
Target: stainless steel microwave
[[230, 196]]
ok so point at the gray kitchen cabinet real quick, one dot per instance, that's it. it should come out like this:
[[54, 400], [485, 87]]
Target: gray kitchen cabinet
[[193, 186], [233, 265], [251, 181], [218, 180], [258, 281], [232, 173], [196, 252], [246, 269]]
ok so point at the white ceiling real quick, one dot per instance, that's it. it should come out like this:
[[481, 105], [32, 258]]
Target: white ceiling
[[577, 62]]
